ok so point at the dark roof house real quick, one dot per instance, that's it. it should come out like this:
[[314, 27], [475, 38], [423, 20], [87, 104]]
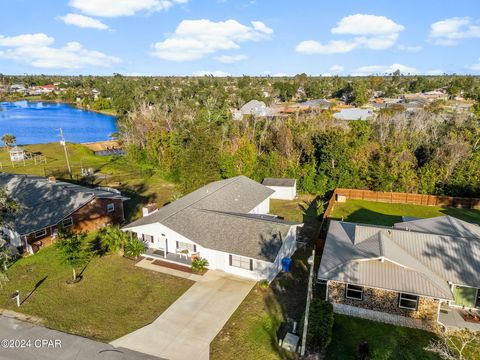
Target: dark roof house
[[45, 203]]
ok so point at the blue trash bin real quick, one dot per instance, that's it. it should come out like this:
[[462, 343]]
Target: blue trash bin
[[286, 264]]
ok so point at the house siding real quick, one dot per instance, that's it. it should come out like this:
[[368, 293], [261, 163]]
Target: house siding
[[91, 216], [384, 301], [219, 260], [283, 192]]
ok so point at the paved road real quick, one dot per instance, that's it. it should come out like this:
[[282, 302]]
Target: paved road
[[184, 331], [56, 345]]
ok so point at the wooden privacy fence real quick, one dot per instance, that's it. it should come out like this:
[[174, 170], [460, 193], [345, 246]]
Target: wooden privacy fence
[[402, 198]]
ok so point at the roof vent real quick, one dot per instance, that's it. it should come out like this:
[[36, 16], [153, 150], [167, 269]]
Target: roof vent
[[52, 179]]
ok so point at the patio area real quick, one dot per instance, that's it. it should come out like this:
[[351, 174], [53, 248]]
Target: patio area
[[172, 257], [451, 318]]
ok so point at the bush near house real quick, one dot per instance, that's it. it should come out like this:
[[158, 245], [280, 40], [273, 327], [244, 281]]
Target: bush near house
[[320, 324]]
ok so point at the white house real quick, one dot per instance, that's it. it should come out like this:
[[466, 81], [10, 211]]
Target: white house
[[349, 114], [254, 108], [225, 222], [285, 189]]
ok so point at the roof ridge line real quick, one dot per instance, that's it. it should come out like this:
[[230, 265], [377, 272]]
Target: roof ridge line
[[245, 215], [203, 197]]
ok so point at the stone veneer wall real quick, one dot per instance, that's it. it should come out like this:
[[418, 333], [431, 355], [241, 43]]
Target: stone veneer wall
[[385, 301]]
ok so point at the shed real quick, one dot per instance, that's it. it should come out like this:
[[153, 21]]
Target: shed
[[17, 154], [285, 189]]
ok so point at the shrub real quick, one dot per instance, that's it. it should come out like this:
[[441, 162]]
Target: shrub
[[113, 239], [134, 248], [320, 324], [199, 264]]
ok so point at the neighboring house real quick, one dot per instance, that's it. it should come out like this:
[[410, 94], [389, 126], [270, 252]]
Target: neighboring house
[[413, 269], [254, 108], [225, 222], [47, 204], [353, 114], [285, 189], [316, 104]]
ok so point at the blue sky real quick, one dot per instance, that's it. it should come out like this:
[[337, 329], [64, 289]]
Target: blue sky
[[188, 37]]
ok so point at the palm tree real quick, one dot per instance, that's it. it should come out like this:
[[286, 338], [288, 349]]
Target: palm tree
[[8, 139]]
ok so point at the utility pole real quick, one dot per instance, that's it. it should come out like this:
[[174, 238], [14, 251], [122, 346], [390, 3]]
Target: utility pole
[[64, 144]]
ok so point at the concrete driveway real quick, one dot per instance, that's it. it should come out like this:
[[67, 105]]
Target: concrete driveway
[[185, 330], [25, 341]]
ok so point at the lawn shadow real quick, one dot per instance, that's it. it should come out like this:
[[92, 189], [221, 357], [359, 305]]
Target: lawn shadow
[[366, 216], [37, 285]]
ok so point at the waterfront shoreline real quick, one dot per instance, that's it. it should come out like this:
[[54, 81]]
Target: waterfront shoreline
[[73, 104]]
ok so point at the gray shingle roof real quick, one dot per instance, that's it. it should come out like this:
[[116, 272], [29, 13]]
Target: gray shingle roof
[[278, 182], [413, 261], [216, 217], [43, 203]]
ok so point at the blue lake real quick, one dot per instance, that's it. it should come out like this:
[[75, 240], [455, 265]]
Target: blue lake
[[33, 122]]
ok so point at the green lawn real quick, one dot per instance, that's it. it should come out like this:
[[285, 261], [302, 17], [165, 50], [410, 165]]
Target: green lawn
[[113, 298], [80, 156], [385, 341], [377, 213]]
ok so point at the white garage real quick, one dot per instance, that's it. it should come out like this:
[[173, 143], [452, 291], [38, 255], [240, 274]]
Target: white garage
[[285, 189]]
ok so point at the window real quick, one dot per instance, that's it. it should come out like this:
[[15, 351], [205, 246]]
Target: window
[[67, 222], [148, 238], [183, 246], [407, 301], [241, 262], [354, 292], [40, 233], [110, 207]]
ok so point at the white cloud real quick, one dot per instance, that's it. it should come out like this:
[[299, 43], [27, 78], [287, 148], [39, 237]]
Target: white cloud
[[40, 53], [216, 73], [449, 31], [83, 21], [115, 8], [372, 32], [194, 39], [39, 39], [332, 47], [362, 24], [411, 48], [474, 67], [337, 68], [228, 59], [384, 69]]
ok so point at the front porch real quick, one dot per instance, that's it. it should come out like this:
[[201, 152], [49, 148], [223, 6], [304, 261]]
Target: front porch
[[183, 259], [453, 318]]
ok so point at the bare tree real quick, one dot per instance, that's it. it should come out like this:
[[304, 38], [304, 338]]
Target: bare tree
[[454, 344]]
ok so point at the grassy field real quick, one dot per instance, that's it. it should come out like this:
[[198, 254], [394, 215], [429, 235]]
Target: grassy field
[[385, 341], [254, 329], [377, 213], [113, 298], [110, 170]]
